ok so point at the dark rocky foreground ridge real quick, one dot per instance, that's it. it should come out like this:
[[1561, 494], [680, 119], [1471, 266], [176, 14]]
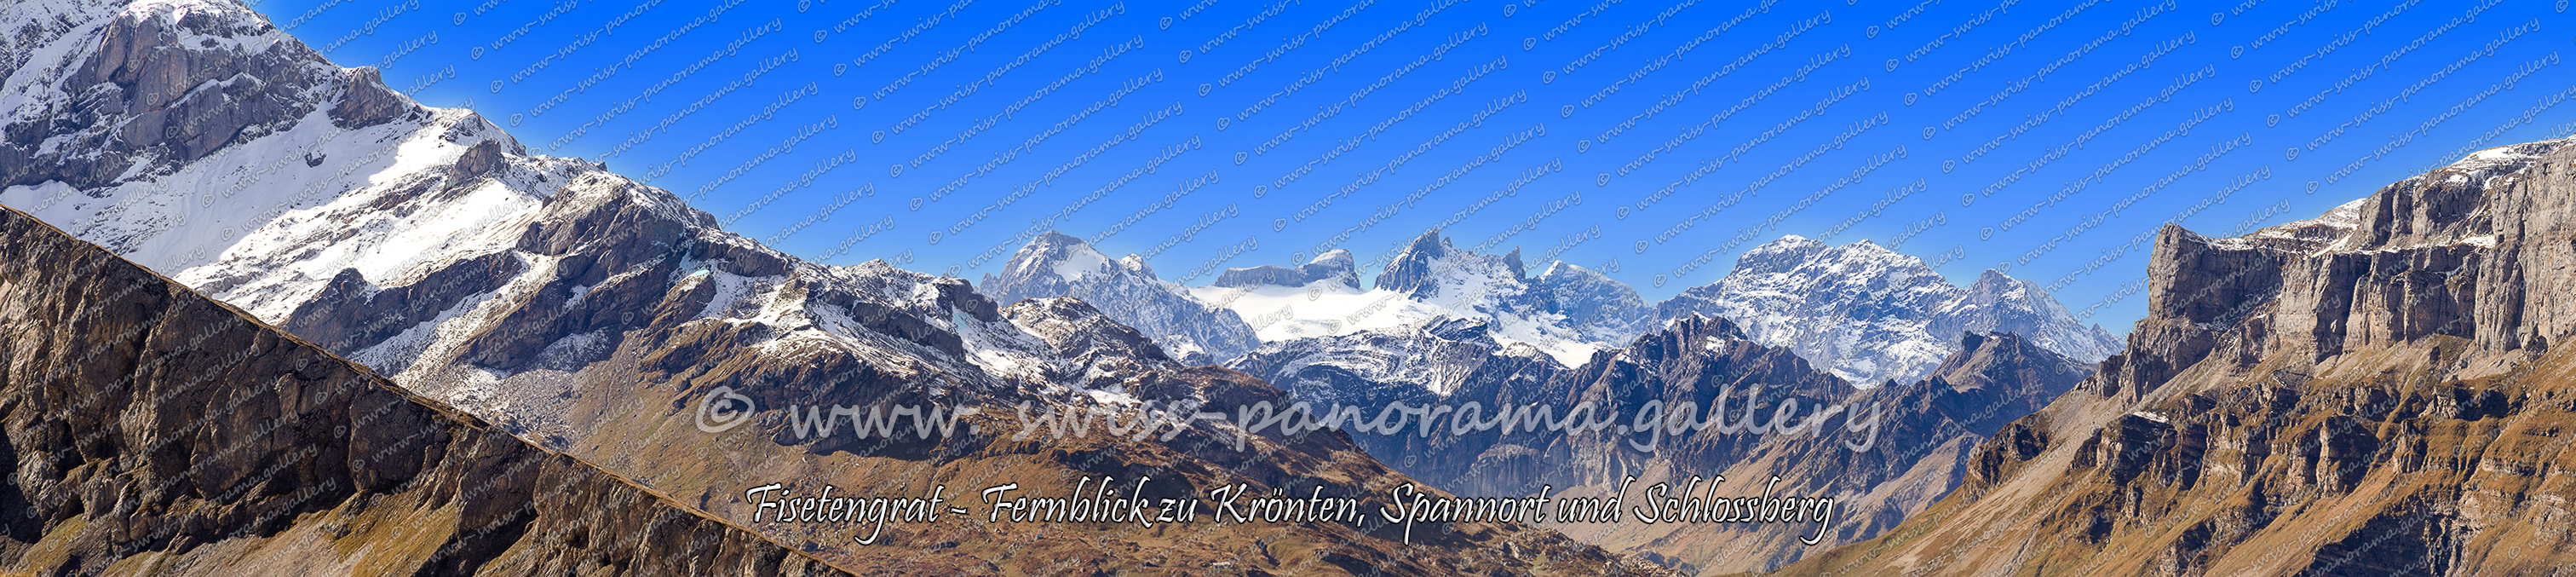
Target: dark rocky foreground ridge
[[152, 430], [2380, 391]]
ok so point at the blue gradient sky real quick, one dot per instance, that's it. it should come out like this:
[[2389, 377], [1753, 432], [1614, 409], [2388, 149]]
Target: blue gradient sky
[[1652, 140]]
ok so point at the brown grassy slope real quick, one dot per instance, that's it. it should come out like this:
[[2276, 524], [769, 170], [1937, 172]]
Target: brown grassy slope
[[155, 431]]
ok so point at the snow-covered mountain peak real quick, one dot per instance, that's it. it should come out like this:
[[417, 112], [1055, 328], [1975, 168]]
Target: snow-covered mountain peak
[[1561, 273], [1430, 282], [1595, 306], [1136, 264], [1995, 282], [170, 131], [1798, 255], [1055, 264], [1871, 315], [1058, 254], [1335, 267], [194, 137], [1435, 356], [1431, 264], [1789, 252]]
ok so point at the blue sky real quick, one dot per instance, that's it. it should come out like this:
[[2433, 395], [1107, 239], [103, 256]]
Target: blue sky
[[1651, 140]]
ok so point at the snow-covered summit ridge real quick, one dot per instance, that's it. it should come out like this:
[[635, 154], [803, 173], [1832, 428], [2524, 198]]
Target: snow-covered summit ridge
[[1868, 313], [1056, 265], [170, 130], [194, 137], [1871, 315], [1334, 265], [1432, 281]]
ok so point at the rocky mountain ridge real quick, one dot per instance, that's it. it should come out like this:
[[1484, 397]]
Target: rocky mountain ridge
[[154, 430], [1869, 314], [2372, 392], [1057, 265], [1444, 327], [1873, 315], [1919, 433], [600, 317]]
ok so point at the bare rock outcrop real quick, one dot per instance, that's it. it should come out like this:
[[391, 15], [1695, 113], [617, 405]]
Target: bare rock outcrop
[[153, 429], [2370, 392]]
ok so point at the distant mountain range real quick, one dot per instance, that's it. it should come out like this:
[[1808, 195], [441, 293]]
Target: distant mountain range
[[588, 315], [2371, 392], [1442, 326], [1864, 313]]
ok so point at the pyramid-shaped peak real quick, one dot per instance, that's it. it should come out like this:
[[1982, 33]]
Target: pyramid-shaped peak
[[1054, 239], [1052, 253], [1992, 280], [1429, 245], [1431, 259], [1412, 269]]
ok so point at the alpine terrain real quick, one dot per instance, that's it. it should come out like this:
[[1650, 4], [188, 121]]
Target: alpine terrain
[[2373, 392], [155, 431], [604, 320], [1445, 326], [1871, 315]]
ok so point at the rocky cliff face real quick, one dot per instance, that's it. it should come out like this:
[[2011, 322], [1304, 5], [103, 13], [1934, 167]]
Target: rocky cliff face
[[1430, 262], [168, 131], [1898, 448], [153, 430], [2368, 393], [1872, 315]]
